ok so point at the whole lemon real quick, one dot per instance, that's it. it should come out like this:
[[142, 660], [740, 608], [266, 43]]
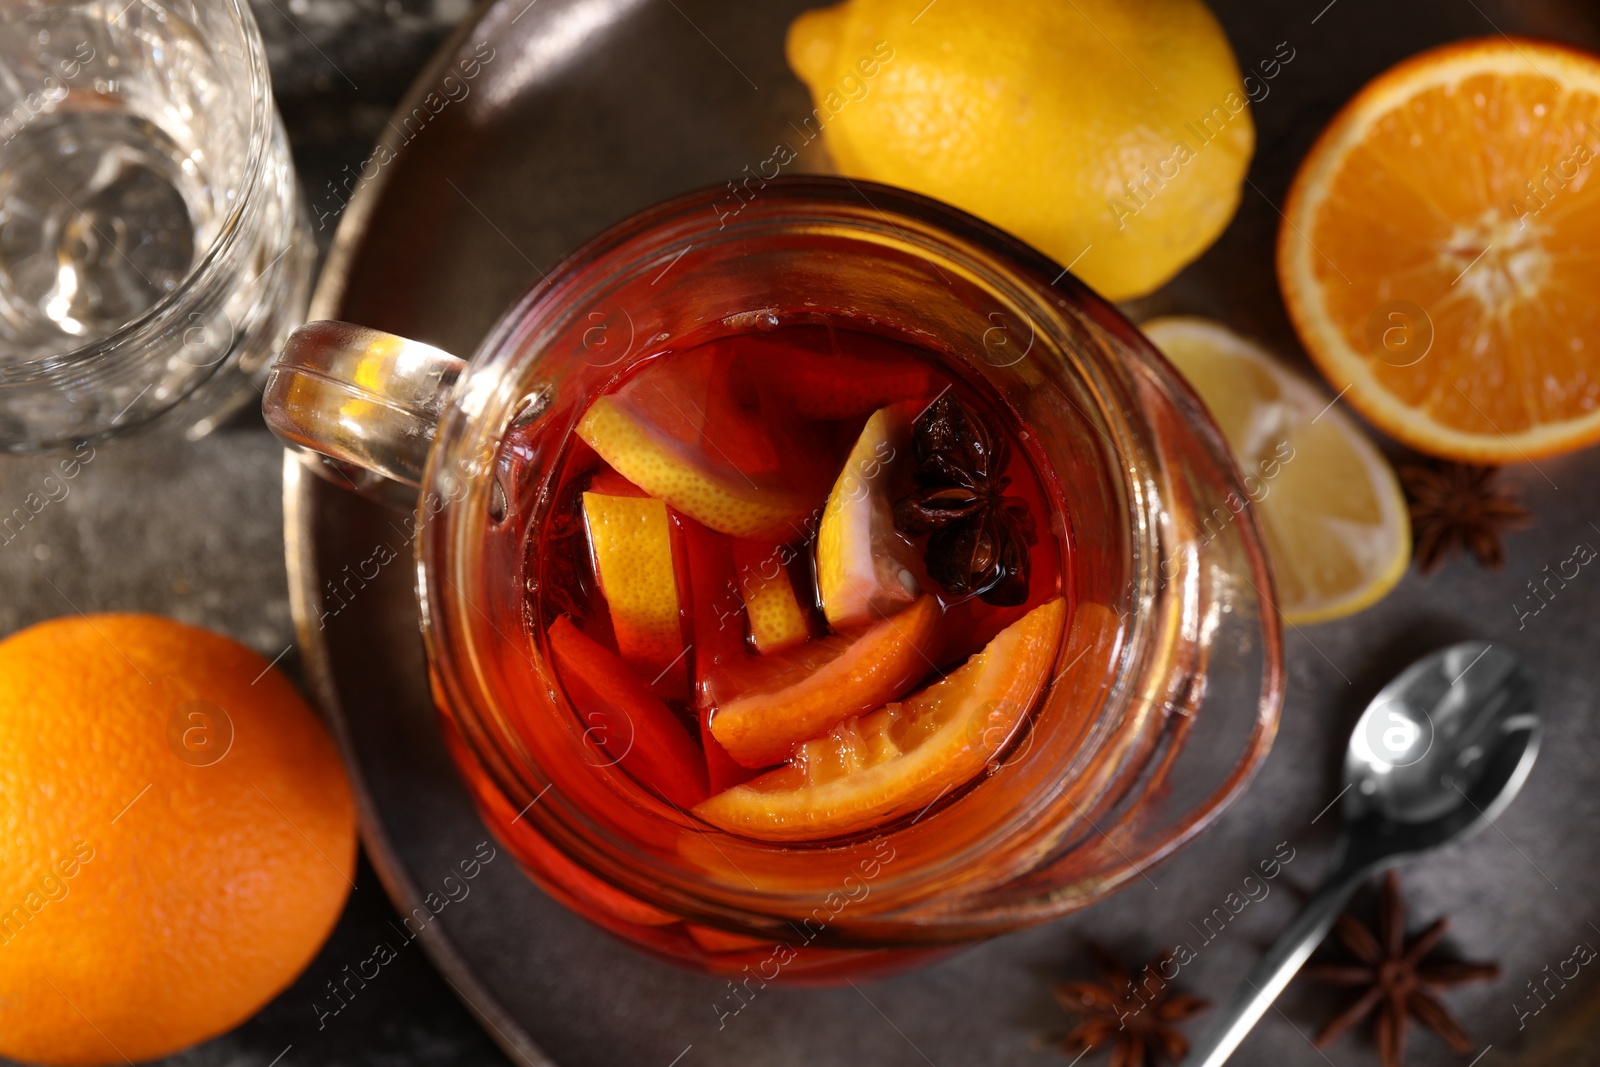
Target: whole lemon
[[177, 838], [1113, 135]]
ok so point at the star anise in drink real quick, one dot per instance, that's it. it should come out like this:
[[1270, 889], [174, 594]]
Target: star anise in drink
[[1396, 979], [1457, 506], [1135, 1018], [978, 537]]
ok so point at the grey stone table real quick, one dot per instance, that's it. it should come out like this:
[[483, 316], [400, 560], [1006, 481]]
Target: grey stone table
[[195, 531]]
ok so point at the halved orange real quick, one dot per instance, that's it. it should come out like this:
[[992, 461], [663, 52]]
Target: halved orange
[[800, 694], [1440, 252], [901, 757]]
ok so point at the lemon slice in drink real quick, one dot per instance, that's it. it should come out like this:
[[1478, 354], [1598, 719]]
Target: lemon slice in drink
[[630, 540], [862, 571], [1328, 502], [777, 621]]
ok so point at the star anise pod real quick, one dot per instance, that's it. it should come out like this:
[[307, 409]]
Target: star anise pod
[[1458, 506], [978, 536], [1396, 979], [1136, 1019]]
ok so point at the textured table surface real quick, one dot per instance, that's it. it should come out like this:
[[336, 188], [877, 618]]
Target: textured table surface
[[195, 532]]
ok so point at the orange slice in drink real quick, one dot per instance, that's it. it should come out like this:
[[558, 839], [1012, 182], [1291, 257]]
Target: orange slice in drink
[[718, 637], [631, 540], [1438, 250], [623, 718], [902, 757], [809, 369], [797, 695]]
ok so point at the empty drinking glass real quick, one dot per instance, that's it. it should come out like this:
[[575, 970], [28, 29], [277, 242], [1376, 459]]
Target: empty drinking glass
[[154, 249]]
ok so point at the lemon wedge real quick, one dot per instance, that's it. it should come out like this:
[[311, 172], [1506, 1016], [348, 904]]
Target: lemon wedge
[[630, 540], [1328, 502], [863, 570], [665, 467]]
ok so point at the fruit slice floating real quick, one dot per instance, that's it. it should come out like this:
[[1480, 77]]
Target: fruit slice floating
[[777, 620], [793, 696], [1329, 505], [864, 565], [809, 370], [718, 628], [630, 538], [901, 757], [1437, 252], [658, 432], [625, 720]]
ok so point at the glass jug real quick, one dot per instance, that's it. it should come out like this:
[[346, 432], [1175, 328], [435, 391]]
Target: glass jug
[[1165, 693]]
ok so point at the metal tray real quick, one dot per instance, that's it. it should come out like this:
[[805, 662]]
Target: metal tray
[[579, 112]]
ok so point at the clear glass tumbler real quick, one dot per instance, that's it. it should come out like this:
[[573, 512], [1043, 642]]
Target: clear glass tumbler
[[1165, 694], [154, 248]]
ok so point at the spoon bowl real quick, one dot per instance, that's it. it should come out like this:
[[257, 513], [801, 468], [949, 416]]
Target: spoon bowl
[[1438, 754]]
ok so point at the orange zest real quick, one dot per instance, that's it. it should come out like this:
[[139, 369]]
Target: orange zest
[[1438, 253], [792, 697], [900, 758]]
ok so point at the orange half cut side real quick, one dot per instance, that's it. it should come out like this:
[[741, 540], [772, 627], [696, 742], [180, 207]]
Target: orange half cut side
[[1440, 252]]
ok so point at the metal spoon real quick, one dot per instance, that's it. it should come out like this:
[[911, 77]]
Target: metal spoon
[[1437, 756]]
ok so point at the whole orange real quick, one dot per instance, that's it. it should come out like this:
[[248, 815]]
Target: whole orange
[[177, 837]]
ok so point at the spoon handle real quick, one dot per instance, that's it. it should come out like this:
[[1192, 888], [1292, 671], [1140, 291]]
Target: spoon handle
[[1262, 986]]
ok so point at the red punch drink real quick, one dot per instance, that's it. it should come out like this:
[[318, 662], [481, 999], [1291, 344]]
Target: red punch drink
[[800, 585], [813, 592], [803, 582]]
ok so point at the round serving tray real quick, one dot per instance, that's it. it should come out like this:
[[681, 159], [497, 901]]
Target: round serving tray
[[543, 121]]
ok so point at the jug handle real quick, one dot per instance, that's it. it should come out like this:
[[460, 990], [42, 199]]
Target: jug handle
[[360, 397]]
